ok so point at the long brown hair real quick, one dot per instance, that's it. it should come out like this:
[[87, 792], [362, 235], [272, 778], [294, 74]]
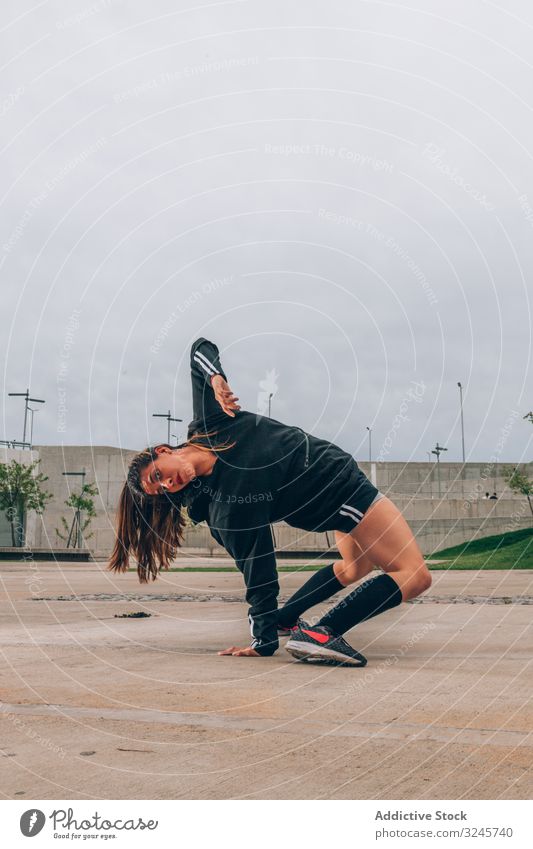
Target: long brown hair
[[150, 527]]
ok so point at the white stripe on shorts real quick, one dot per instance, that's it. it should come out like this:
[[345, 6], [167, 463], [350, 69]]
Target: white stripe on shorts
[[353, 509], [352, 513]]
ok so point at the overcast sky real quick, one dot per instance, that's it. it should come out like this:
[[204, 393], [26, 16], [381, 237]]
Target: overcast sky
[[340, 195]]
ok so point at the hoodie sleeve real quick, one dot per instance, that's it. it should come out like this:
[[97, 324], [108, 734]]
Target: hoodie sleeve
[[205, 362], [253, 552]]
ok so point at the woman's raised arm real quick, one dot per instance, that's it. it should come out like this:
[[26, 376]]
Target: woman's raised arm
[[210, 390]]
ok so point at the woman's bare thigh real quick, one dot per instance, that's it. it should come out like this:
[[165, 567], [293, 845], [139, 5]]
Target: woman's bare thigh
[[388, 542]]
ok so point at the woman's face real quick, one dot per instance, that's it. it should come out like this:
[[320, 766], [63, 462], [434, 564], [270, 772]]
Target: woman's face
[[170, 472]]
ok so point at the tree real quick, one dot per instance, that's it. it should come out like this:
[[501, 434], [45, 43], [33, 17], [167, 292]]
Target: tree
[[21, 490], [82, 502], [519, 482]]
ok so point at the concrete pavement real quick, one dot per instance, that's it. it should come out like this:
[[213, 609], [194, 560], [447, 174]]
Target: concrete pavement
[[95, 706]]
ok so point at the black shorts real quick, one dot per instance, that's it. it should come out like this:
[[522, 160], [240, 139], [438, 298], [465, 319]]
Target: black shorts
[[355, 505]]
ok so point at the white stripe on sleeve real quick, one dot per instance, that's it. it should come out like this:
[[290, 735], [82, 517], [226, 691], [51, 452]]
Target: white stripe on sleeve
[[207, 369], [202, 360]]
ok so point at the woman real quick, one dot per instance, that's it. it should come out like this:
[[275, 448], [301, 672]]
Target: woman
[[239, 472]]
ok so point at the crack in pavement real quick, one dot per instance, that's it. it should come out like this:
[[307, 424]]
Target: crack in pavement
[[407, 732], [237, 599]]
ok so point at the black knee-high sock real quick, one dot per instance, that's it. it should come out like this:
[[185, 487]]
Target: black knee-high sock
[[320, 586], [369, 599]]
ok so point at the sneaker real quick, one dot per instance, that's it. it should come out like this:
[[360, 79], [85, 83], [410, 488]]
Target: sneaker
[[286, 632], [318, 643]]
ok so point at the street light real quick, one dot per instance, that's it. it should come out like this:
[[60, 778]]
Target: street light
[[462, 420], [32, 411], [369, 429], [25, 395], [438, 450], [169, 419]]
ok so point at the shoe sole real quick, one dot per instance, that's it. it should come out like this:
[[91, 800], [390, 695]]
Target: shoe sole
[[306, 651]]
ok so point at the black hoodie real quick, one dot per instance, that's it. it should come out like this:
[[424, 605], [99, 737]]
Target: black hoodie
[[275, 472]]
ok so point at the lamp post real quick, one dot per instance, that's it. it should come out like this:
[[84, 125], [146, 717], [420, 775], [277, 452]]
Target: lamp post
[[32, 411], [169, 419], [438, 450], [26, 396], [462, 420], [369, 429]]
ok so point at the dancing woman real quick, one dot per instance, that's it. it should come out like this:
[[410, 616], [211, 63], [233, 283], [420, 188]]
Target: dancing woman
[[240, 472]]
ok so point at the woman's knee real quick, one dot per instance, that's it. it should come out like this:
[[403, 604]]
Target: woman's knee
[[345, 572], [416, 581], [349, 573], [424, 578]]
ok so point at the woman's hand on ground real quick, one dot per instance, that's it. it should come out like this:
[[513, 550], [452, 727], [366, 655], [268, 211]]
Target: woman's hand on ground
[[224, 395], [241, 652]]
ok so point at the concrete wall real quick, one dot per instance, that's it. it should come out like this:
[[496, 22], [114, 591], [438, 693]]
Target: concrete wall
[[468, 481], [436, 524], [105, 466], [459, 515]]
